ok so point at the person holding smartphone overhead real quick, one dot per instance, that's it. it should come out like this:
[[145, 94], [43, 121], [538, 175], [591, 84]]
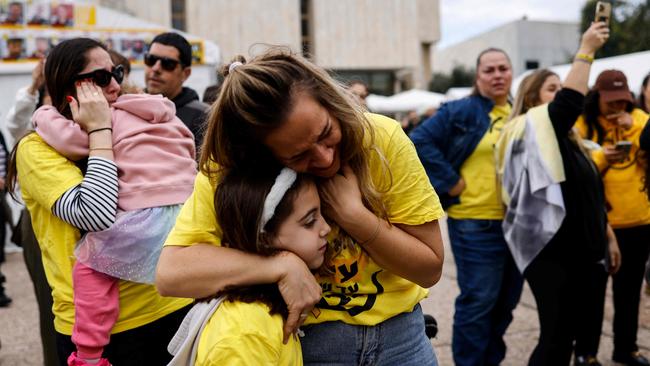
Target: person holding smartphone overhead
[[611, 120]]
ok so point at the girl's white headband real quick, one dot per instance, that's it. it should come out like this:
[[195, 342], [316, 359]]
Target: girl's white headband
[[283, 182]]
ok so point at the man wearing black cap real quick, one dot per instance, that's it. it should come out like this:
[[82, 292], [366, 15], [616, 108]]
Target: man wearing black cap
[[611, 120], [167, 65]]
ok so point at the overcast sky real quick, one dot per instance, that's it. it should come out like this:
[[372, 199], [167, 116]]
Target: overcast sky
[[462, 19]]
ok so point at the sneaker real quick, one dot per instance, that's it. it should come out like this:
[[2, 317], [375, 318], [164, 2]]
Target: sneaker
[[631, 359], [74, 360], [586, 361]]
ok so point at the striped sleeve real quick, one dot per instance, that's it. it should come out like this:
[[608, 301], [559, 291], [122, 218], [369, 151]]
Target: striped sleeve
[[91, 205]]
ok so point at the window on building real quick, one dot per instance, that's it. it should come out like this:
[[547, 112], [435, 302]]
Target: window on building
[[532, 64], [178, 14], [305, 25]]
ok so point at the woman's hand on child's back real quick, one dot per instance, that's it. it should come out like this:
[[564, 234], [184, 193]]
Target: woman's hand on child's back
[[299, 290], [90, 110]]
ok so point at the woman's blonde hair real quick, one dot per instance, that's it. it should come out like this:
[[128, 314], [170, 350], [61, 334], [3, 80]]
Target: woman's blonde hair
[[528, 94], [257, 97]]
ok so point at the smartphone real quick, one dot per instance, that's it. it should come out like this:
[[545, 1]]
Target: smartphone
[[624, 146], [603, 12]]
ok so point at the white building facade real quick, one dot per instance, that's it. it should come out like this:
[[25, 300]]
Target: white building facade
[[530, 45], [386, 43]]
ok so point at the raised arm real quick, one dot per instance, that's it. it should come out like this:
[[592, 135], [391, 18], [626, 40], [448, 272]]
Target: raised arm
[[20, 114], [567, 105], [92, 204]]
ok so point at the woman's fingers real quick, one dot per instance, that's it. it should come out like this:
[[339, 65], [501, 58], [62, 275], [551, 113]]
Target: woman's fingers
[[299, 290], [74, 107]]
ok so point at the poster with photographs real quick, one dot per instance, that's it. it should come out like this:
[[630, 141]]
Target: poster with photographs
[[38, 13], [197, 52], [133, 48], [12, 13], [62, 15], [12, 47], [29, 29]]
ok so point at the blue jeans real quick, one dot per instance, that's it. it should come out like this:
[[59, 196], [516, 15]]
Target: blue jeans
[[490, 287], [399, 340]]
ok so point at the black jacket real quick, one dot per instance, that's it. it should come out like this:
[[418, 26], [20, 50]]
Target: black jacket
[[192, 112]]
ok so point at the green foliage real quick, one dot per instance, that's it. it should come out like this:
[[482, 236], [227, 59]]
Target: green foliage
[[460, 76], [629, 26]]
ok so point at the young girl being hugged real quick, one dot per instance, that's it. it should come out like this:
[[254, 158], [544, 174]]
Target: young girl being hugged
[[136, 198], [262, 214]]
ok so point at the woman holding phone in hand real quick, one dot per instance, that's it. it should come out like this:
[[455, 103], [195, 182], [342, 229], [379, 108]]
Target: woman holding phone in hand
[[611, 120], [549, 183]]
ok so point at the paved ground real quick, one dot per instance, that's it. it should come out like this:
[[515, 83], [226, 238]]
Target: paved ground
[[21, 347]]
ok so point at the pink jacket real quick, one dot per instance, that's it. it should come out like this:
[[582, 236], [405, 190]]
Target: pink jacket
[[154, 151]]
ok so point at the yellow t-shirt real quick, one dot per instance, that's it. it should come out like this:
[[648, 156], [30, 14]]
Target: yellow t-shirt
[[44, 176], [240, 333], [360, 292], [480, 200], [628, 203]]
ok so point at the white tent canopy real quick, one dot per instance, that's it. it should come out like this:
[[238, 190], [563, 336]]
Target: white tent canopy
[[411, 100], [458, 92], [635, 66]]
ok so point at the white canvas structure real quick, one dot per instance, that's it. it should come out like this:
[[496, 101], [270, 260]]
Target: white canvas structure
[[457, 93], [635, 66], [411, 100]]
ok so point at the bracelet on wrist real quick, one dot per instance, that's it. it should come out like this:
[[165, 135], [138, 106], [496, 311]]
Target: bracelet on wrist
[[101, 148], [100, 129], [583, 57], [374, 234]]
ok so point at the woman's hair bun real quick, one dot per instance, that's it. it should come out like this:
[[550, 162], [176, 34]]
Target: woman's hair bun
[[237, 61]]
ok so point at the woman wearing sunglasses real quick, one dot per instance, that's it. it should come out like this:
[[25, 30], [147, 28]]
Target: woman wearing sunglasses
[[117, 217]]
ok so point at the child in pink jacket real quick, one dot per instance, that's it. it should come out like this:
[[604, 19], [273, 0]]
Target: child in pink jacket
[[155, 156]]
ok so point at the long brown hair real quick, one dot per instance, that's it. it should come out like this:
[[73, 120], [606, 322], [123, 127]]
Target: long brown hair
[[65, 61], [239, 202], [256, 98], [528, 94]]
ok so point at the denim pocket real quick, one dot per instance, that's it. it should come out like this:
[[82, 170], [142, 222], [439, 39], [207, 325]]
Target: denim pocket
[[468, 226]]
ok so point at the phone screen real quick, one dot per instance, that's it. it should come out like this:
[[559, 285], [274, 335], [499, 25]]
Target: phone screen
[[603, 12], [623, 146]]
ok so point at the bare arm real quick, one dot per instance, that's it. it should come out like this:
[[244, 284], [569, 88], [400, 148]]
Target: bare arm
[[592, 40], [202, 270]]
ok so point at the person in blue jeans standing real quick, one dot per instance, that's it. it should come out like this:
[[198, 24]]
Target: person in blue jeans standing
[[456, 149]]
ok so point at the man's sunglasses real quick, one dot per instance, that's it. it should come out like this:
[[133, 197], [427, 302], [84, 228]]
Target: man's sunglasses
[[103, 77], [166, 63]]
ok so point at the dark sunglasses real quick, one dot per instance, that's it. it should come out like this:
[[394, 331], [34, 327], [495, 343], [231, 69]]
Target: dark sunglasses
[[102, 77], [166, 63]]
